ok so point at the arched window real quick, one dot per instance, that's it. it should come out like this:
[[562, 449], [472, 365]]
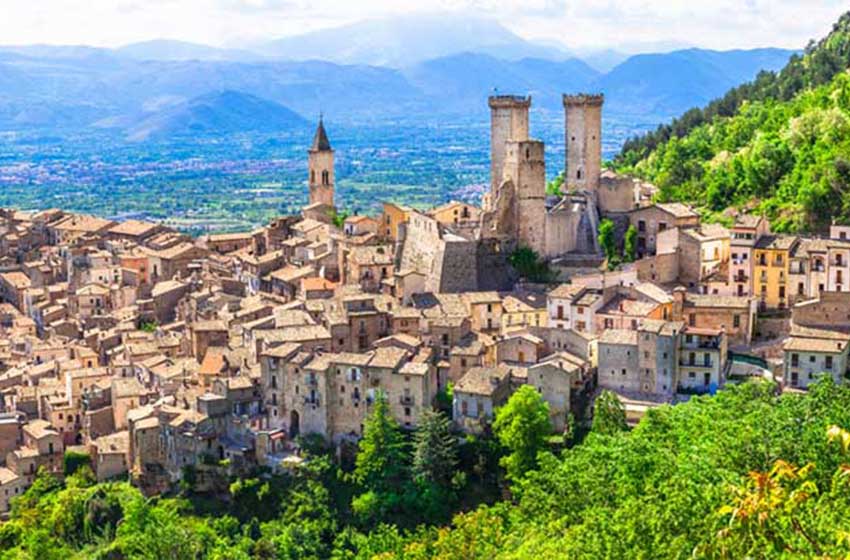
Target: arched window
[[326, 178], [578, 174]]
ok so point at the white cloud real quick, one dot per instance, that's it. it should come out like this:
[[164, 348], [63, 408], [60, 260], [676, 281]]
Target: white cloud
[[577, 23]]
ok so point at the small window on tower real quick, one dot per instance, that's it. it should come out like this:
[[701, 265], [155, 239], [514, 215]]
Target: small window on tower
[[325, 178], [312, 175], [578, 174]]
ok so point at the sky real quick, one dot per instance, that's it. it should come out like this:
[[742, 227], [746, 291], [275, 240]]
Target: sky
[[630, 25]]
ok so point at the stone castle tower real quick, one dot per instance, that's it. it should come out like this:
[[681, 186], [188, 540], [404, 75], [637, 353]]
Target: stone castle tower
[[321, 164], [525, 169], [508, 121], [583, 116]]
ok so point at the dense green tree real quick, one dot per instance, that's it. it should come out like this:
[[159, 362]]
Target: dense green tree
[[775, 147], [553, 187], [74, 460], [607, 241], [529, 265], [609, 417], [522, 427], [338, 217], [435, 455], [630, 244]]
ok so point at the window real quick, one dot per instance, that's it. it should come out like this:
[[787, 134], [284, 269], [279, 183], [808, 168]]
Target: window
[[692, 319], [828, 362], [641, 226], [736, 321]]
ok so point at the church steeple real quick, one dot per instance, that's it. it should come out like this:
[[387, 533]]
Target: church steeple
[[321, 163], [320, 139]]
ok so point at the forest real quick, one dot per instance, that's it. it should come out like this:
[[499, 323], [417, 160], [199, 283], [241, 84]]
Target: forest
[[748, 473], [778, 146]]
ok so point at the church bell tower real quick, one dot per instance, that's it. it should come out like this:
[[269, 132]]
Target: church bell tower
[[321, 163]]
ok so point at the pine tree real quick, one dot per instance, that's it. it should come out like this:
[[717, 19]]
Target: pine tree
[[381, 457], [609, 416], [434, 449]]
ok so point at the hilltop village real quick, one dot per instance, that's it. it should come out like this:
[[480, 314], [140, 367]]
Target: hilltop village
[[152, 352]]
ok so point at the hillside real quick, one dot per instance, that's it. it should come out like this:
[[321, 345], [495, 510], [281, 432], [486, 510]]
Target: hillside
[[779, 146], [744, 474], [215, 113], [653, 83]]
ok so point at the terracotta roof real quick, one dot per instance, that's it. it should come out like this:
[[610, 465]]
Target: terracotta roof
[[133, 228], [316, 283], [678, 209]]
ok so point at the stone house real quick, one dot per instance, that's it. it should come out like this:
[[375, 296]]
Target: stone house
[[11, 486], [811, 352], [736, 315], [650, 221], [554, 379], [42, 447], [477, 395], [110, 455]]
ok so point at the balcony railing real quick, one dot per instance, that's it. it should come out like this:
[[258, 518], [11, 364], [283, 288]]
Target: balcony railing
[[311, 400], [406, 400], [696, 363]]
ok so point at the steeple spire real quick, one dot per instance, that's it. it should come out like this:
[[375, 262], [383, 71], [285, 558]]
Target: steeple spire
[[320, 139]]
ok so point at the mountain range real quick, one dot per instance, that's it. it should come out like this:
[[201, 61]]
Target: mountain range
[[378, 70]]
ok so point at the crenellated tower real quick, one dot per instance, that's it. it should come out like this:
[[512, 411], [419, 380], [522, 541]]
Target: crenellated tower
[[508, 122], [321, 164], [583, 125]]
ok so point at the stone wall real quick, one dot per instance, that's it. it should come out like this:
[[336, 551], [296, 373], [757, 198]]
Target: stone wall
[[832, 309], [662, 269]]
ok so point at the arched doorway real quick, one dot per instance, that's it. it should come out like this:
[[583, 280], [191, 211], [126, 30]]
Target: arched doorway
[[294, 424]]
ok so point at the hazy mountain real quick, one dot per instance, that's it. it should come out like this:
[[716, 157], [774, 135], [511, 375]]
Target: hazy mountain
[[603, 60], [671, 83], [164, 49], [216, 113], [463, 81], [406, 40], [76, 87]]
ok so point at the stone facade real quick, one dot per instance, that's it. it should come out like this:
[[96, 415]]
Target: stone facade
[[583, 141]]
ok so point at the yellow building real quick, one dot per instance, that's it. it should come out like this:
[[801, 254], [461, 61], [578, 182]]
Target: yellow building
[[392, 217], [771, 257], [457, 213]]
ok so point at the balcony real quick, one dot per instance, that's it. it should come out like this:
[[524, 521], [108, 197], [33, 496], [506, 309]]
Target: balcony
[[696, 363], [740, 277], [312, 400], [311, 379], [406, 400]]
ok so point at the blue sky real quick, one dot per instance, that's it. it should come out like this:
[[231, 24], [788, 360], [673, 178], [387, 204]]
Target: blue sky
[[626, 24]]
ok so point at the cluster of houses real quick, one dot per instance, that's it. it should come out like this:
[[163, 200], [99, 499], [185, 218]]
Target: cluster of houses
[[153, 352]]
